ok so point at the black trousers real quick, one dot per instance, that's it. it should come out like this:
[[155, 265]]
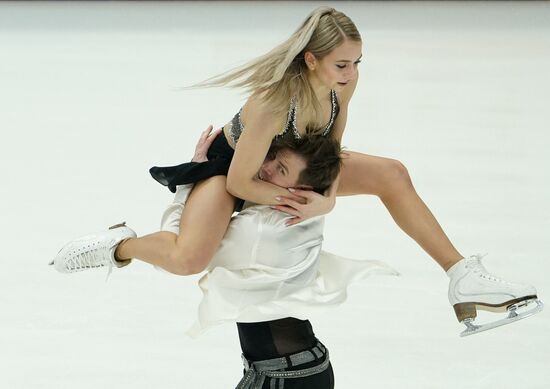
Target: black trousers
[[282, 338]]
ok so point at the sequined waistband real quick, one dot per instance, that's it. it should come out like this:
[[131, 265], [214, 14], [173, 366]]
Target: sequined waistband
[[257, 371]]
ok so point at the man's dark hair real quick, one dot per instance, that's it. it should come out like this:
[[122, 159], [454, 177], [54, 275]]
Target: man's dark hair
[[322, 157]]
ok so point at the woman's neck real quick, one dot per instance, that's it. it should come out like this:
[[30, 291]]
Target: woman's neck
[[321, 90]]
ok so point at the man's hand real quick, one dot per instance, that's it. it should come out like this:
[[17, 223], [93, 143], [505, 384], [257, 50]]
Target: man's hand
[[206, 139]]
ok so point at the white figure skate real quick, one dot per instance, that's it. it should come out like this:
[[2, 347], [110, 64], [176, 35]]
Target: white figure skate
[[472, 287], [93, 251]]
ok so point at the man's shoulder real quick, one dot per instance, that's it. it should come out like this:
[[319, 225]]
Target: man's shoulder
[[273, 220], [265, 215]]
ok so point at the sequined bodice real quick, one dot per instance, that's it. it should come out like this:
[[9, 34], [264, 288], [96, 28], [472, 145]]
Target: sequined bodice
[[290, 125]]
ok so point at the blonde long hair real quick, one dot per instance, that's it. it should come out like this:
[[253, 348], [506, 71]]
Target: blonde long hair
[[281, 73]]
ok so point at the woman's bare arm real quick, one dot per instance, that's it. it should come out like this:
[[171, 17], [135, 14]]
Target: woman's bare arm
[[261, 126]]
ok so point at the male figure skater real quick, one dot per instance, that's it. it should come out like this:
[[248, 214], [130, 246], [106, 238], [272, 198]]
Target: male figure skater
[[265, 274]]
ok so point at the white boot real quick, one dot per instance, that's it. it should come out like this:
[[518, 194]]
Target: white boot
[[93, 251], [472, 287]]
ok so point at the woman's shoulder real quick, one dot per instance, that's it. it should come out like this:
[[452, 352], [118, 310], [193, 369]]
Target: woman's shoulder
[[257, 112], [257, 103]]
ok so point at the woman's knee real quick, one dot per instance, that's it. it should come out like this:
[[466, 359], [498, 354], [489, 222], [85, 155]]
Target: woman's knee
[[185, 262], [396, 174]]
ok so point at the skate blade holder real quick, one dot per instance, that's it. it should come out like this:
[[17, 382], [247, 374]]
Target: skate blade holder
[[513, 315]]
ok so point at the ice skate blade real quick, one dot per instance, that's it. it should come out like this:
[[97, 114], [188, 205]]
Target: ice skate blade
[[513, 316], [469, 310]]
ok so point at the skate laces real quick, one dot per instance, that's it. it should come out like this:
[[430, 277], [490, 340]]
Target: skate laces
[[92, 256], [474, 263], [475, 259]]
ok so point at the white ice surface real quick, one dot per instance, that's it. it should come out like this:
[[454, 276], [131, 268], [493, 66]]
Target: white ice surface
[[459, 92]]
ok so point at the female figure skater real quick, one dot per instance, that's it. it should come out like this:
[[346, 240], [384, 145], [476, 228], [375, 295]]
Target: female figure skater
[[302, 86]]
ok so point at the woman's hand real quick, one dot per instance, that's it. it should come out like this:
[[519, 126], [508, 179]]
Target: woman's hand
[[206, 139], [313, 204]]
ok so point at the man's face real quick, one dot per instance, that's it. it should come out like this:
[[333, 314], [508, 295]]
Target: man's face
[[283, 170]]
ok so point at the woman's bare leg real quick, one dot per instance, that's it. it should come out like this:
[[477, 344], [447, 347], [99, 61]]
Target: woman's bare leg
[[204, 221], [389, 180]]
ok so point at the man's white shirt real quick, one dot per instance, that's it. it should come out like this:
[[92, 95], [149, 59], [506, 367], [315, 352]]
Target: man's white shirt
[[265, 270]]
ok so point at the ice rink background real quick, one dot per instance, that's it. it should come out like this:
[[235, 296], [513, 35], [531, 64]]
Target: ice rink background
[[459, 92]]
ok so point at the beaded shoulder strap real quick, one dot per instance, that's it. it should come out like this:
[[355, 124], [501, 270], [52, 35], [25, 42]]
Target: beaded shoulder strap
[[335, 108], [291, 120]]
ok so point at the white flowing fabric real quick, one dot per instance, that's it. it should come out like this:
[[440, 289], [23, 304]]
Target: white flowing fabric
[[265, 270]]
